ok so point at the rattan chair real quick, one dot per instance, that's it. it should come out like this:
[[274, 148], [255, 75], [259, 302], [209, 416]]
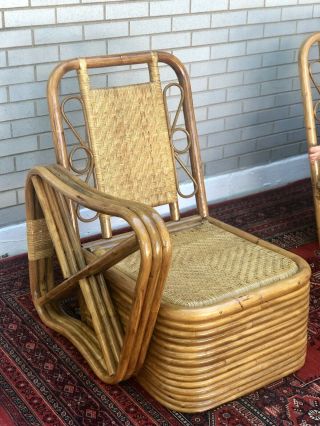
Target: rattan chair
[[309, 61], [199, 311]]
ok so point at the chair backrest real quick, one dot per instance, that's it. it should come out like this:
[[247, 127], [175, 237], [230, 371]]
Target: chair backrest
[[130, 149]]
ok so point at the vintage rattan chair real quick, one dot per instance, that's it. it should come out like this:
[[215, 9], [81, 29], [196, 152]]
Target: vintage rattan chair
[[199, 311], [309, 67]]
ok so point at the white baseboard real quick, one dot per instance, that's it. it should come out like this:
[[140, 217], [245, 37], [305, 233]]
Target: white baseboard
[[218, 188]]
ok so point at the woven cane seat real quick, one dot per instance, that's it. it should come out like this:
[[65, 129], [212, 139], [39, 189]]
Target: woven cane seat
[[210, 264]]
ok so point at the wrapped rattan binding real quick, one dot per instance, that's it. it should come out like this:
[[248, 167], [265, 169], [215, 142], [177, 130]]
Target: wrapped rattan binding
[[39, 242], [154, 69]]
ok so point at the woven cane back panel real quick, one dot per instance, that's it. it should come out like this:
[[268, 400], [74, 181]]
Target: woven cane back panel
[[210, 264], [130, 143]]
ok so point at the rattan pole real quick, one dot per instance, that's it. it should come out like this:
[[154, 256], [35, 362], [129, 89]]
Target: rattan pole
[[107, 299], [236, 323], [31, 214], [209, 374], [82, 337], [59, 141], [257, 376], [112, 323], [89, 287], [49, 315], [149, 294], [165, 267], [38, 185], [62, 225], [223, 375], [70, 258], [104, 262], [131, 332], [113, 315], [190, 123], [228, 346]]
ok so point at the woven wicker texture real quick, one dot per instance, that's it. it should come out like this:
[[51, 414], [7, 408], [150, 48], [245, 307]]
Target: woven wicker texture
[[39, 241], [210, 265], [130, 142]]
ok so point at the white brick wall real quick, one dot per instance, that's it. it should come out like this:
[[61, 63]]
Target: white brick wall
[[241, 55]]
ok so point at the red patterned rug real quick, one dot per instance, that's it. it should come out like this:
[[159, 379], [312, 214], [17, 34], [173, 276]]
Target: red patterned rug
[[44, 380]]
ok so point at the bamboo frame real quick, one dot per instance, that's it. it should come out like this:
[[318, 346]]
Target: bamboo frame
[[190, 359], [309, 116]]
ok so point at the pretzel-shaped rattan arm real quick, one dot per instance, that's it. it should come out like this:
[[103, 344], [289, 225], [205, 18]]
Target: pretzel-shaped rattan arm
[[78, 191], [151, 237], [149, 316]]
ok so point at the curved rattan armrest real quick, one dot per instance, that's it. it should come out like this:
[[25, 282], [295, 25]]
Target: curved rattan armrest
[[152, 238], [78, 191]]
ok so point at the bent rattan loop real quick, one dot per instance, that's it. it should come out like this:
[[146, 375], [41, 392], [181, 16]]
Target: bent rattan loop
[[134, 333]]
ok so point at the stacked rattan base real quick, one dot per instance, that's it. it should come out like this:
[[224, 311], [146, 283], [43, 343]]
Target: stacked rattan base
[[201, 357]]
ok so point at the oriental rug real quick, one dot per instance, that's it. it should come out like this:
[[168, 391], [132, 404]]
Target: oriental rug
[[44, 380]]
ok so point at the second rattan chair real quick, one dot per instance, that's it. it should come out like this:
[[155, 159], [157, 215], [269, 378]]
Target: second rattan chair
[[309, 61], [199, 311]]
